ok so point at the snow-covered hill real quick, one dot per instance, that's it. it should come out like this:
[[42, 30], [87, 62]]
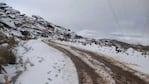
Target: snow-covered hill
[[13, 23]]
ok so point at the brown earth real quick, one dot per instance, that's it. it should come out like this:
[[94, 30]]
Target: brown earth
[[88, 75]]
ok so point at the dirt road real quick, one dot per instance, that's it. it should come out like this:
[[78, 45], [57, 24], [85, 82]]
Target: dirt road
[[93, 68]]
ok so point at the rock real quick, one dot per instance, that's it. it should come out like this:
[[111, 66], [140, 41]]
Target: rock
[[20, 25]]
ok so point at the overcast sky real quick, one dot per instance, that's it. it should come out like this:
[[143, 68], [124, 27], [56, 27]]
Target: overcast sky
[[100, 18]]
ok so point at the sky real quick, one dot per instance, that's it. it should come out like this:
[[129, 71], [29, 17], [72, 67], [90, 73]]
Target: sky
[[94, 18]]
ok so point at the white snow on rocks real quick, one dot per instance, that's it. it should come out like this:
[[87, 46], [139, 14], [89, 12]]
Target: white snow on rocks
[[37, 27]]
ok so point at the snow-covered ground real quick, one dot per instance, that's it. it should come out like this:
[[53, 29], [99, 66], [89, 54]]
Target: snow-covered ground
[[138, 39], [99, 67], [42, 64], [130, 58]]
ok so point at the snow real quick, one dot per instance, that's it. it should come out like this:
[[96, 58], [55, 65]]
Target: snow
[[11, 71], [134, 40], [88, 33], [8, 22], [4, 45], [130, 58], [99, 67], [42, 64], [50, 66], [15, 22]]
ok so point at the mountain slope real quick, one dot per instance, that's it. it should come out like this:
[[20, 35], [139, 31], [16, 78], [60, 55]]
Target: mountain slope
[[13, 23]]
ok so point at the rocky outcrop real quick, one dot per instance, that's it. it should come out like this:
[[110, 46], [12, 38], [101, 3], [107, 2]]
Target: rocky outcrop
[[13, 23]]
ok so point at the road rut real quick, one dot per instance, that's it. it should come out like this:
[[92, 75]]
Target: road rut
[[87, 70]]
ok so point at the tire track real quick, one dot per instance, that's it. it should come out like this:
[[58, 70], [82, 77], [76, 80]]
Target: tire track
[[121, 76], [88, 74], [82, 68]]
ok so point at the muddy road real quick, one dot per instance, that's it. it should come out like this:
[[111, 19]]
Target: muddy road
[[93, 68]]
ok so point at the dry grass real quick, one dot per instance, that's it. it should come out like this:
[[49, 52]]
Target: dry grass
[[6, 55]]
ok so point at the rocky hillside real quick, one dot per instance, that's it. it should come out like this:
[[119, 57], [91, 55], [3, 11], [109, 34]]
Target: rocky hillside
[[15, 24]]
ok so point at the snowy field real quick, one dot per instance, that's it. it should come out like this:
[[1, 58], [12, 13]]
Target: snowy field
[[42, 64], [130, 58]]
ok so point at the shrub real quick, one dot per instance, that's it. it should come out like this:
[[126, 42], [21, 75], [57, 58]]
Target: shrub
[[6, 56]]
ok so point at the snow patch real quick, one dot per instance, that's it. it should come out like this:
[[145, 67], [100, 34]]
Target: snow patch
[[45, 65]]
